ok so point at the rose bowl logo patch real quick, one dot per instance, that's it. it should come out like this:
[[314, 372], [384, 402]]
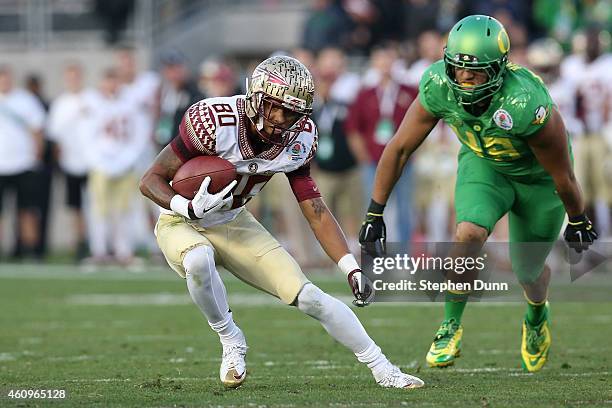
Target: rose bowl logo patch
[[503, 119], [296, 150]]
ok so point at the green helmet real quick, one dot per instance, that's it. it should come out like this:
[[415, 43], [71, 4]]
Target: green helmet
[[480, 43]]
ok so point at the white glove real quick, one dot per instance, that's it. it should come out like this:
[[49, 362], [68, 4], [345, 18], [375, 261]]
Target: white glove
[[203, 203], [206, 203]]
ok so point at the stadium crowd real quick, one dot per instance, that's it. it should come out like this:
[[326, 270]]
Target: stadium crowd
[[366, 72]]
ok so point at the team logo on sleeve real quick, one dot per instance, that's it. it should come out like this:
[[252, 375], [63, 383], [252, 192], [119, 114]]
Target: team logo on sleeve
[[541, 113], [253, 167], [503, 119]]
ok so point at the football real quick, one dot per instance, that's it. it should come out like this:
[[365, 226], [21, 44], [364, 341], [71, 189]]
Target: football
[[190, 175]]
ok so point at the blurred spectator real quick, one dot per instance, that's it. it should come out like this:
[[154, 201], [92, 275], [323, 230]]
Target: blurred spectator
[[519, 11], [436, 160], [217, 78], [114, 14], [140, 90], [177, 92], [305, 56], [337, 174], [544, 56], [21, 146], [560, 19], [431, 49], [327, 25], [421, 15], [44, 172], [69, 127], [591, 73], [115, 150], [372, 120]]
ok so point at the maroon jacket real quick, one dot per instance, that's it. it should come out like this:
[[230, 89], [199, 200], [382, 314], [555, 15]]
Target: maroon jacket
[[364, 115]]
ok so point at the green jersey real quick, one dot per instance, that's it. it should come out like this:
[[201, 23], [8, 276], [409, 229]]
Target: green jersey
[[519, 109]]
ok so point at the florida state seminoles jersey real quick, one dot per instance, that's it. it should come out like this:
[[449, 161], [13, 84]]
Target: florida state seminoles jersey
[[218, 127]]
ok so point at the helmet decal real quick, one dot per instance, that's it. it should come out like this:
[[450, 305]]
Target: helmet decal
[[503, 41]]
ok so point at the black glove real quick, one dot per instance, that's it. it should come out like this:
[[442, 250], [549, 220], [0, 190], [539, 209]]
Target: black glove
[[373, 233], [362, 288], [580, 233]]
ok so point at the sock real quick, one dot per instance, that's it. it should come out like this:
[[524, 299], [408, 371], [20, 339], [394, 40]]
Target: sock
[[374, 358], [536, 312], [228, 331], [342, 324], [454, 305]]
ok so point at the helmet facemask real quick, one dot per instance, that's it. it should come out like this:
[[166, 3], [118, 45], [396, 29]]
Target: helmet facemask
[[280, 134], [469, 95]]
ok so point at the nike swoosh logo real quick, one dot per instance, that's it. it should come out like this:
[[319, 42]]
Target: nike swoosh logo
[[238, 377]]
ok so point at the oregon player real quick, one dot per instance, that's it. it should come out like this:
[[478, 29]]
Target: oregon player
[[515, 159]]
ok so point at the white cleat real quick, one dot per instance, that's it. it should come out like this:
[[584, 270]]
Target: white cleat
[[233, 367], [393, 377]]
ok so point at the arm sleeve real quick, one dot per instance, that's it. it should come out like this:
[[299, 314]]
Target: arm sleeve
[[196, 133], [302, 184]]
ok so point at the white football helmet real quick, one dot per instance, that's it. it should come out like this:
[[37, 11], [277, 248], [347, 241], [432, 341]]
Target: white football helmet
[[281, 81]]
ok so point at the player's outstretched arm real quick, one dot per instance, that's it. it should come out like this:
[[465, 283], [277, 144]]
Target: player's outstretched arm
[[332, 240], [415, 127], [325, 228], [154, 184], [550, 146]]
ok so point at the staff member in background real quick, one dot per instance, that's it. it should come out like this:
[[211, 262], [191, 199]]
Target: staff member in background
[[372, 120], [177, 92], [68, 127], [337, 173], [21, 143]]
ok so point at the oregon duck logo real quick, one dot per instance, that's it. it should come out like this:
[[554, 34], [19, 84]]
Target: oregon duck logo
[[503, 42]]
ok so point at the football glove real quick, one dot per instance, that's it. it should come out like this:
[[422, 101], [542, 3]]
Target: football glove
[[362, 288], [580, 233], [205, 203], [373, 232]]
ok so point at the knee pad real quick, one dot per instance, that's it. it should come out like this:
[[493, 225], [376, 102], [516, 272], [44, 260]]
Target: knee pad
[[200, 262]]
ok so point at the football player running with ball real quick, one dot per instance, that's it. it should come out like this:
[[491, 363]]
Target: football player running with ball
[[264, 132], [515, 159]]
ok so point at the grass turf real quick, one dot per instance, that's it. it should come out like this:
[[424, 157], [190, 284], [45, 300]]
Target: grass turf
[[115, 339]]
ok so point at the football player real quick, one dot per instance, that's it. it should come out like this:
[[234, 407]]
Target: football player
[[264, 132], [515, 159]]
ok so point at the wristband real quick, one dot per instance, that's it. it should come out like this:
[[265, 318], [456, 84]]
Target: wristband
[[180, 205], [375, 208], [578, 219], [348, 264]]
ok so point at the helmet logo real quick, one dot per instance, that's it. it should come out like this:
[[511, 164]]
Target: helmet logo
[[503, 119], [295, 102], [274, 78], [503, 42]]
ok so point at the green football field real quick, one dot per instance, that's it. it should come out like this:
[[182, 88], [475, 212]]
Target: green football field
[[119, 339]]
